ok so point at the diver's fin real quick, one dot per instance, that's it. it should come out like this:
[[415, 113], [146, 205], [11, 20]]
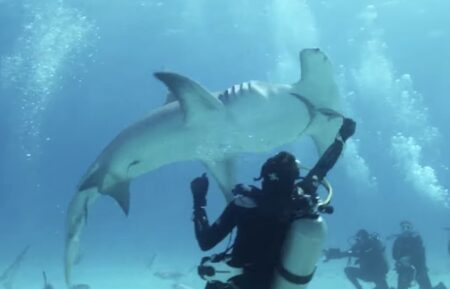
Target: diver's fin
[[121, 193], [193, 98], [223, 171]]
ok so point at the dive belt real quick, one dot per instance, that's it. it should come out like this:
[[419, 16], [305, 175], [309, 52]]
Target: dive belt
[[294, 278], [215, 268]]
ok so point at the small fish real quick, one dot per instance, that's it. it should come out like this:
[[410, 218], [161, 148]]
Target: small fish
[[169, 275], [80, 286], [180, 286], [151, 261]]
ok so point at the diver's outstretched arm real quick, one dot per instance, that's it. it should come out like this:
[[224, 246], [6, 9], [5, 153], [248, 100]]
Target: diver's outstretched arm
[[335, 253], [329, 157]]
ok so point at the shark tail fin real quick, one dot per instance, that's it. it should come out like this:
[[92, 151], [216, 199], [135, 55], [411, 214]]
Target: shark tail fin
[[318, 87]]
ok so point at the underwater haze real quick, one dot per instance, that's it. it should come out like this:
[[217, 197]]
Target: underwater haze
[[75, 73]]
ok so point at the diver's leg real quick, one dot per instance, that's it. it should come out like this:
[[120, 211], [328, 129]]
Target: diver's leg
[[440, 285], [353, 274], [405, 278], [381, 283], [423, 279]]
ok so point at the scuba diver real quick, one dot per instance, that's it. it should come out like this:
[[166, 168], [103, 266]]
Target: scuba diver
[[448, 243], [263, 218], [370, 258], [408, 252]]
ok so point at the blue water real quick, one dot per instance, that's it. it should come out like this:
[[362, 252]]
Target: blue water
[[73, 74]]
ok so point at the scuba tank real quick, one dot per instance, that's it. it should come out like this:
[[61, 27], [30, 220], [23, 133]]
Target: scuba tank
[[304, 241], [302, 249]]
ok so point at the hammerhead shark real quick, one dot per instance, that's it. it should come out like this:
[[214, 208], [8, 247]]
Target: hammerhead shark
[[196, 124]]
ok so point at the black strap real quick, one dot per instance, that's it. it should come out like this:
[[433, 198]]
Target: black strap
[[293, 278]]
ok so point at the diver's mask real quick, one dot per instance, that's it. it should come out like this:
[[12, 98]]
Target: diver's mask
[[281, 169], [360, 237], [406, 226]]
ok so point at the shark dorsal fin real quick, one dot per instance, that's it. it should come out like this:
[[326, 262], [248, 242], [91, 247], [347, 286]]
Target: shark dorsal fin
[[170, 98], [193, 98]]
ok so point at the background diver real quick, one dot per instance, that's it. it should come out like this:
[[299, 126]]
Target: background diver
[[262, 217], [408, 252], [370, 258]]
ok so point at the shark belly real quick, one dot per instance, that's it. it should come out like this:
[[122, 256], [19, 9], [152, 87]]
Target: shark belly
[[266, 117]]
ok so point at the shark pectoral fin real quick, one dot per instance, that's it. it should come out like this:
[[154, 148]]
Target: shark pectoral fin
[[193, 98], [121, 193], [223, 171], [324, 130], [92, 180]]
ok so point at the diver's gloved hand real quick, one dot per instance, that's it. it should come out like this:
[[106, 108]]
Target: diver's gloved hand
[[199, 189], [332, 253], [347, 129]]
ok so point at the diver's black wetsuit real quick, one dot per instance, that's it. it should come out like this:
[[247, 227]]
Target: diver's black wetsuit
[[409, 253], [262, 223], [372, 262]]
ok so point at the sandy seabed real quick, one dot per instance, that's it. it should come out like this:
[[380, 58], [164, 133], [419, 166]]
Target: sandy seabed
[[174, 276]]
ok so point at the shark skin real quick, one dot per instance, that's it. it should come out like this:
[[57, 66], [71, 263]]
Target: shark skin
[[213, 128]]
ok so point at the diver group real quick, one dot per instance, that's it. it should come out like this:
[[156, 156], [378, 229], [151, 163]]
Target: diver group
[[280, 232]]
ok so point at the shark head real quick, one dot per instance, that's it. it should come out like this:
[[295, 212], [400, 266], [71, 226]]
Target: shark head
[[318, 90], [315, 65]]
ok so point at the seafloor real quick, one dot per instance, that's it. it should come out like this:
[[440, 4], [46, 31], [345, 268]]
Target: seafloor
[[176, 274]]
